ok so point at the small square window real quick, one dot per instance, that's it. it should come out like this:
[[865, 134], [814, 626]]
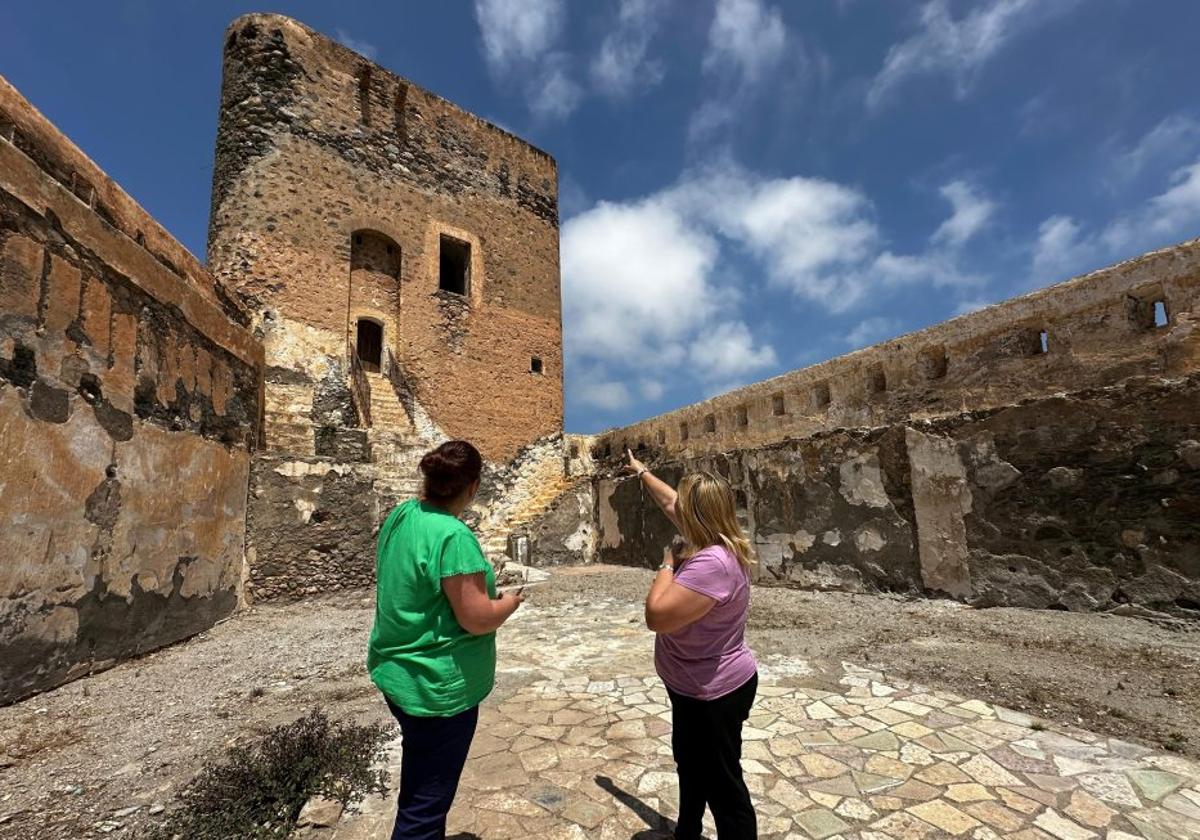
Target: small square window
[[454, 274], [710, 424], [535, 365], [777, 405], [1161, 318], [742, 417]]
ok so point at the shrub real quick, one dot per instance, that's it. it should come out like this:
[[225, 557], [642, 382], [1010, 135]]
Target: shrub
[[257, 790]]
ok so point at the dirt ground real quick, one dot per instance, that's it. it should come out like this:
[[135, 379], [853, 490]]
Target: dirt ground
[[98, 757]]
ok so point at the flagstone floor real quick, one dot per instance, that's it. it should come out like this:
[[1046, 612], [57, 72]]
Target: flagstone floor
[[575, 743]]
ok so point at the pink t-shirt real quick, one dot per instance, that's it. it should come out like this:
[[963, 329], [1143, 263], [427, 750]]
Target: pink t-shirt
[[709, 658]]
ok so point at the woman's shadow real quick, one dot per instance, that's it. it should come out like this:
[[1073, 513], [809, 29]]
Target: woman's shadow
[[658, 826]]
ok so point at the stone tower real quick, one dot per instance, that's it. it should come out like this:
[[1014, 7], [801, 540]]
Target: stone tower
[[400, 254]]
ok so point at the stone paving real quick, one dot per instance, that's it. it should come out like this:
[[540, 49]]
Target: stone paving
[[575, 743]]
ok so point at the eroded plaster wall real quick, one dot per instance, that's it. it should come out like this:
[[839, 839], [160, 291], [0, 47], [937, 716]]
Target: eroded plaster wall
[[129, 402], [1080, 501], [317, 145]]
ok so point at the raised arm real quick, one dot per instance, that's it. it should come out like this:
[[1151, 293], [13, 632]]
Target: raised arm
[[662, 493]]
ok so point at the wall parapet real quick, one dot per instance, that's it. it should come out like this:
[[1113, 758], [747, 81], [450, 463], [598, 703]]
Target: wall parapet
[[1139, 317]]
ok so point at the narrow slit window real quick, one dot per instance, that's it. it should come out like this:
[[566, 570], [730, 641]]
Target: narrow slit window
[[1043, 342], [743, 418], [1161, 317], [662, 437], [535, 365], [710, 424], [364, 95], [455, 266], [777, 406], [683, 431], [398, 111]]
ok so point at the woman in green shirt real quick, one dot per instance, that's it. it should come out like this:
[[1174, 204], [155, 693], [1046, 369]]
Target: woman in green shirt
[[433, 645]]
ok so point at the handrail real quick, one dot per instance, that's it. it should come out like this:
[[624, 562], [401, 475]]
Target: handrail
[[360, 387]]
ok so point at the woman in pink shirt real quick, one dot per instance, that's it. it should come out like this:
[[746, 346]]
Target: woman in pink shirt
[[698, 606]]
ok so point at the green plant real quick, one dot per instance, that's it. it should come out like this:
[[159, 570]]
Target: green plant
[[257, 790]]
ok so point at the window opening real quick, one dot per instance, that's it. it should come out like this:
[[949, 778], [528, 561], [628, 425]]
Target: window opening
[[683, 431], [455, 266], [1043, 342], [662, 437], [877, 381], [777, 406], [1161, 318], [743, 418], [370, 344], [710, 424], [401, 100], [535, 365], [821, 396]]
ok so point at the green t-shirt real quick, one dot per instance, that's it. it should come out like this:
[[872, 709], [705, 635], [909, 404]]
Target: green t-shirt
[[419, 655]]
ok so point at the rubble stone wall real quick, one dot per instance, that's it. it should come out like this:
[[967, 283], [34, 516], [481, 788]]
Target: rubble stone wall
[[129, 405], [324, 162], [1091, 331], [1087, 500]]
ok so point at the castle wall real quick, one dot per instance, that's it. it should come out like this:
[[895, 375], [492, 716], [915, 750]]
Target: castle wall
[[316, 144], [1079, 501], [1098, 329], [990, 468], [129, 402]]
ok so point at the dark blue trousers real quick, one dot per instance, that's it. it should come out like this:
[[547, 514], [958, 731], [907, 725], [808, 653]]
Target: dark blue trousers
[[434, 752]]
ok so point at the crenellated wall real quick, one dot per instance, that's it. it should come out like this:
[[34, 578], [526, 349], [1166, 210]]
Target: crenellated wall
[[1091, 331], [129, 406]]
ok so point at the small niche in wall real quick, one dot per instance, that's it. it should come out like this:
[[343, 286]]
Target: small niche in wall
[[662, 437], [683, 431], [401, 101], [454, 266], [876, 382], [932, 362], [741, 416], [641, 446], [778, 407], [364, 94], [821, 396], [535, 366], [710, 424]]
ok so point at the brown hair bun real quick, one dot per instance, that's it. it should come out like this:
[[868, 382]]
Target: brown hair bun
[[450, 469]]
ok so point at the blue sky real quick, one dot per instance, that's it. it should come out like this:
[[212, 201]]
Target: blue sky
[[747, 186]]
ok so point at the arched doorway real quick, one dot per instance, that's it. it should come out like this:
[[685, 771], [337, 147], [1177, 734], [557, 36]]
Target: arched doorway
[[369, 344]]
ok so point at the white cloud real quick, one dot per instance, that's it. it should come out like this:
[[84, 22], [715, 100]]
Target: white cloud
[[554, 95], [651, 389], [1065, 248], [746, 37], [621, 65], [728, 350], [519, 43], [606, 395], [972, 210], [363, 48], [871, 331], [518, 31], [958, 47], [1176, 137]]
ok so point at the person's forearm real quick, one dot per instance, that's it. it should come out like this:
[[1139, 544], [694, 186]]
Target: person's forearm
[[663, 494], [492, 616]]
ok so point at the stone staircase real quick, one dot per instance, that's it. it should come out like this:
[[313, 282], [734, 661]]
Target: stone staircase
[[285, 419], [494, 536]]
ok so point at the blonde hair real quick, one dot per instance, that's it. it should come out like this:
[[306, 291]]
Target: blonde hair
[[708, 515]]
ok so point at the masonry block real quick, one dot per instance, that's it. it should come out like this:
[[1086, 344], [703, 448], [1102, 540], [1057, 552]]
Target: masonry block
[[20, 276], [62, 295]]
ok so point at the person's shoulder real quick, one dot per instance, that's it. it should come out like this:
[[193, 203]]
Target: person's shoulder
[[715, 555]]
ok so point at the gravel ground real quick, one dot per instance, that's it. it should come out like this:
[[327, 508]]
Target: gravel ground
[[75, 761]]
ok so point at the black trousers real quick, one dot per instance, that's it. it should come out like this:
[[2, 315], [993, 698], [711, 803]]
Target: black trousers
[[431, 763], [706, 740]]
